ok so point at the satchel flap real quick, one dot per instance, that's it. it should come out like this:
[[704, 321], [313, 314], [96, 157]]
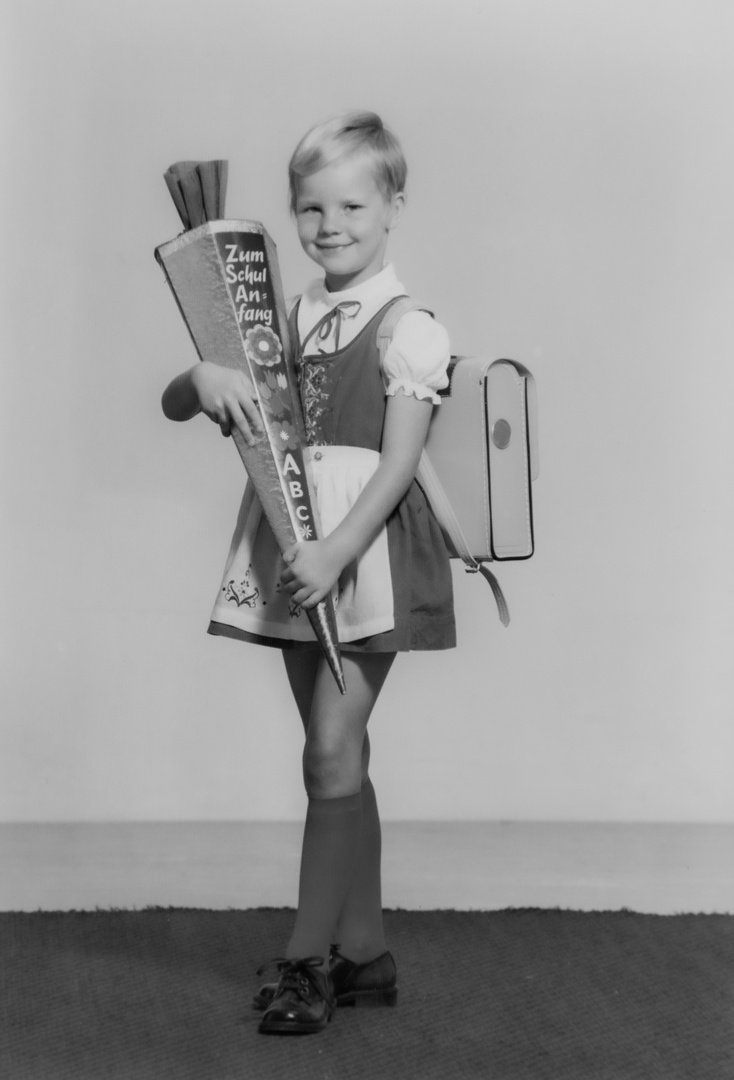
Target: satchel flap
[[531, 396]]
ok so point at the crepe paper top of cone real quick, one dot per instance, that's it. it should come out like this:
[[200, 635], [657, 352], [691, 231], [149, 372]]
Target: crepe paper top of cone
[[198, 189], [225, 277]]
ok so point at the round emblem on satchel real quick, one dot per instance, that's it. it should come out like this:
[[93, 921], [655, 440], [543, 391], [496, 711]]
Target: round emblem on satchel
[[501, 434]]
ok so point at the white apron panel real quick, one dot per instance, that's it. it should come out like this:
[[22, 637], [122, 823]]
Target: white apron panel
[[251, 597]]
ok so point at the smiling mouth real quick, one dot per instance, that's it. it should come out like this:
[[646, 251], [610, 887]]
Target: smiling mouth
[[332, 247]]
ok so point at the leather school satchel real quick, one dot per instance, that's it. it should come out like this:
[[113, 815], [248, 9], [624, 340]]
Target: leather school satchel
[[480, 458]]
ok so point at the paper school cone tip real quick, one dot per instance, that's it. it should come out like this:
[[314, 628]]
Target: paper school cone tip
[[323, 621]]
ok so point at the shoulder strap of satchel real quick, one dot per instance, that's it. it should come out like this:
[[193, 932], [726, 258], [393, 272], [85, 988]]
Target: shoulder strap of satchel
[[428, 478]]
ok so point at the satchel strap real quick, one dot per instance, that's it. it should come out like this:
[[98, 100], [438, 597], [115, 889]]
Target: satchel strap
[[400, 306], [447, 519], [428, 478]]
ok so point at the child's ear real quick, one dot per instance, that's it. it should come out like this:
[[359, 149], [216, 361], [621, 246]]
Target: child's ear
[[397, 207]]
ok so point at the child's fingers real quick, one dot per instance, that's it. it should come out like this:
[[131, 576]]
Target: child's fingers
[[300, 578], [243, 424], [290, 579], [289, 555], [249, 407], [311, 601], [304, 596], [228, 398], [290, 571], [310, 597], [243, 408]]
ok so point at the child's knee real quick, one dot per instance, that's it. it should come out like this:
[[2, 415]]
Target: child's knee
[[331, 769]]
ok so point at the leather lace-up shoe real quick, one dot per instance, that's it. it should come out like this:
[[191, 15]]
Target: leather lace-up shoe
[[303, 1001], [363, 985], [367, 985]]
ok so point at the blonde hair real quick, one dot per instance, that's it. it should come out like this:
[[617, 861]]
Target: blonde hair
[[350, 133]]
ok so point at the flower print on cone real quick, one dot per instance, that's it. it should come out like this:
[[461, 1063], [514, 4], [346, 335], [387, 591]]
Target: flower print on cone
[[262, 346]]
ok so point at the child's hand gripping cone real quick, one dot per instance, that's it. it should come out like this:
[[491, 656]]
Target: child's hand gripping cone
[[225, 277]]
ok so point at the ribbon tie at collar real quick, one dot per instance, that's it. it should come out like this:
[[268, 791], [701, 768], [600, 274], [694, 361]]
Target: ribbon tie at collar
[[330, 326]]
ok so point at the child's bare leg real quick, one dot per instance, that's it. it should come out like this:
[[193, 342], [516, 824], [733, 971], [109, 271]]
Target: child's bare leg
[[301, 667], [332, 766]]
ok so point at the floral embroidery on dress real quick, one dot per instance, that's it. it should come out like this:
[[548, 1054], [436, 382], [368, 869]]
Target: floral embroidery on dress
[[242, 592], [315, 392]]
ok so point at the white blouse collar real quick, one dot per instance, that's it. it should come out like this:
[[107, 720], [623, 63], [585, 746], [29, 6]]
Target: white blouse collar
[[381, 286]]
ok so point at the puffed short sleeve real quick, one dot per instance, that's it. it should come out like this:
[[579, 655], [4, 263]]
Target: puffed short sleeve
[[417, 358]]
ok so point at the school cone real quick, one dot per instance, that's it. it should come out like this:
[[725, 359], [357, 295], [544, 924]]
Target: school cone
[[226, 281]]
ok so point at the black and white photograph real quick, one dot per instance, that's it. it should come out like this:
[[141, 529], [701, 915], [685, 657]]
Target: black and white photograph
[[367, 697]]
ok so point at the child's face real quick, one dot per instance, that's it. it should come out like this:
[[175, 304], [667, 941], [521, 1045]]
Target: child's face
[[343, 221]]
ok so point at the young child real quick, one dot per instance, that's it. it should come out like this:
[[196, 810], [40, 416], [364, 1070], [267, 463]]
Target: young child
[[382, 555]]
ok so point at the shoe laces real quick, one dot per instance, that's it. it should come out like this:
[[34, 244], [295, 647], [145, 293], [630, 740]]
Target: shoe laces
[[295, 975]]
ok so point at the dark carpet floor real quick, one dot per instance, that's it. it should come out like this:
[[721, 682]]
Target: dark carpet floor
[[506, 995]]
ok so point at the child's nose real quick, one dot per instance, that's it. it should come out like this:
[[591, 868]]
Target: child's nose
[[330, 221]]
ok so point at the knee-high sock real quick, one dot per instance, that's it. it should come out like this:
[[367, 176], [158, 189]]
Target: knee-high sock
[[360, 932], [330, 848]]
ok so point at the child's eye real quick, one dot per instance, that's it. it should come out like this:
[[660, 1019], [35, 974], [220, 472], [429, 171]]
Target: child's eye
[[353, 206]]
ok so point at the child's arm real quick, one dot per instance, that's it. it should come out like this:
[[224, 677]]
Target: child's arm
[[225, 395], [314, 566]]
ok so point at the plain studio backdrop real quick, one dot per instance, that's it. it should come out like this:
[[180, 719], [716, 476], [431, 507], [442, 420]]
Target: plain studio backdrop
[[569, 206]]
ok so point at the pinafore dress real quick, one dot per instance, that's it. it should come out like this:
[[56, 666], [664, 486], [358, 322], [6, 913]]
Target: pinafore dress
[[397, 595]]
